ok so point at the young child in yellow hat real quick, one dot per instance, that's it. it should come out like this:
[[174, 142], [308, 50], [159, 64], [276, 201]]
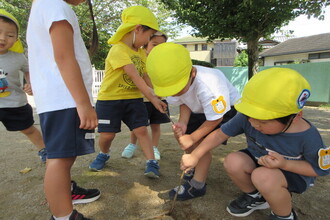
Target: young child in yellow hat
[[155, 117], [123, 86], [205, 97], [16, 113], [285, 152]]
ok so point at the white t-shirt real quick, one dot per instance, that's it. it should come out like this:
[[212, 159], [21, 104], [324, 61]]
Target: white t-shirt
[[49, 89], [210, 93]]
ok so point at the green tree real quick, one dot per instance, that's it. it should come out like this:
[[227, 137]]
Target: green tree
[[107, 17], [241, 59], [245, 20]]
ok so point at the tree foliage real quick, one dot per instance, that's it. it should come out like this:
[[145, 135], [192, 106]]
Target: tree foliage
[[241, 60], [107, 15], [245, 20]]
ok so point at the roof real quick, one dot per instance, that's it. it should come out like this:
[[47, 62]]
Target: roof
[[191, 39], [314, 43]]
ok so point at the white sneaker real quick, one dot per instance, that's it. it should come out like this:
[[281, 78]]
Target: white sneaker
[[156, 153], [129, 150]]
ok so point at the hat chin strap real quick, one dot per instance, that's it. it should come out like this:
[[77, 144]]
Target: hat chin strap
[[133, 42]]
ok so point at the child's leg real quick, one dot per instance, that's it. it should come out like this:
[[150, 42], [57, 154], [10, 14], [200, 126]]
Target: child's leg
[[35, 137], [105, 141], [133, 138], [239, 167], [57, 186], [202, 168], [145, 142], [155, 134], [272, 184]]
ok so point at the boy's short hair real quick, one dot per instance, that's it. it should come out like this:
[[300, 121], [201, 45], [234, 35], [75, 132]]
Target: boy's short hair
[[274, 93], [169, 66]]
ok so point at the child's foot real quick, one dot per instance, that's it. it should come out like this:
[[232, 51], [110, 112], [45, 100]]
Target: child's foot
[[187, 191], [74, 216], [156, 153], [292, 216], [129, 150], [43, 155], [99, 162], [81, 195], [152, 169], [245, 204]]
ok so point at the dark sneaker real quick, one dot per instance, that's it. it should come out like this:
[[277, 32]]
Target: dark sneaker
[[81, 195], [189, 175], [293, 216], [186, 191], [75, 216], [43, 155], [152, 169], [245, 205], [99, 162]]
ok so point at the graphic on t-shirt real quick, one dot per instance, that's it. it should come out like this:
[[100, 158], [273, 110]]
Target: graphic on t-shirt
[[324, 158], [139, 65], [219, 104], [3, 84]]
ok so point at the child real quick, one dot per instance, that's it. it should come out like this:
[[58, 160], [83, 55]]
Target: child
[[155, 117], [15, 112], [285, 151], [205, 97], [120, 97], [61, 77]]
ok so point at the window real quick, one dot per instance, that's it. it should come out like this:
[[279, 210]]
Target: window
[[204, 46], [313, 56], [185, 45], [196, 47]]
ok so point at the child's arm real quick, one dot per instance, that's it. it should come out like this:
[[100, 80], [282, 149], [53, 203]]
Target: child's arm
[[27, 86], [211, 141], [275, 160], [146, 90], [61, 33]]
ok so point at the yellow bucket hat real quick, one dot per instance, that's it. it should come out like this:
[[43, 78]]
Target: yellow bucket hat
[[132, 16], [17, 47], [169, 66], [274, 93]]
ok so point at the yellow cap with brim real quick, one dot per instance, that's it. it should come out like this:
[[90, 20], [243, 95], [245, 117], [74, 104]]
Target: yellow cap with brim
[[17, 47], [274, 93], [131, 17], [169, 66]]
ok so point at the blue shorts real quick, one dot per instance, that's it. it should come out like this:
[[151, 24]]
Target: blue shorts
[[155, 116], [110, 113], [295, 182], [17, 119], [63, 137]]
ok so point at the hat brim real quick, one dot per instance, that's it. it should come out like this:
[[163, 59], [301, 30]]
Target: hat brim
[[173, 89]]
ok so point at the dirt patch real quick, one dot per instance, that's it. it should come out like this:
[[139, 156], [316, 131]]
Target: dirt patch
[[127, 194]]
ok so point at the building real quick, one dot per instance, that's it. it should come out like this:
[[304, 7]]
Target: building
[[315, 48]]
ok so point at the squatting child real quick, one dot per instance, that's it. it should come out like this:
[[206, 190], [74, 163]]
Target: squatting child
[[205, 97], [120, 97], [285, 152]]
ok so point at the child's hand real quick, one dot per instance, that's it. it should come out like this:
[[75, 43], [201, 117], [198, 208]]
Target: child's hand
[[28, 89], [186, 141], [272, 160], [159, 104], [188, 162], [88, 118]]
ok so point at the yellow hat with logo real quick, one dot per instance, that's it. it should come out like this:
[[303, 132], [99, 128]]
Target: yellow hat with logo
[[274, 93], [17, 47], [131, 17], [169, 66]]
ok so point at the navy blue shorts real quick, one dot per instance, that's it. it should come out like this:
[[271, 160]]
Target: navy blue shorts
[[295, 182], [155, 116], [196, 120], [132, 112], [63, 137], [17, 119]]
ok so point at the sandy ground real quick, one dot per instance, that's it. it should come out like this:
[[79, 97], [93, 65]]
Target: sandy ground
[[127, 194]]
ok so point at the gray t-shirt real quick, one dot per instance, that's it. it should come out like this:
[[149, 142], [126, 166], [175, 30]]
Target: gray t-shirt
[[293, 146], [11, 63]]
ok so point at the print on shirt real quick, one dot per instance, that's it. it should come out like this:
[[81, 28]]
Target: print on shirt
[[324, 158], [219, 104], [3, 84], [139, 65]]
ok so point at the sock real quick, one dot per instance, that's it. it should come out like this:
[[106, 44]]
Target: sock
[[196, 184], [62, 218], [254, 194], [288, 217], [105, 153]]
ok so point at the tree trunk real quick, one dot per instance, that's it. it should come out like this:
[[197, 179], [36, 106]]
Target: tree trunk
[[253, 56]]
